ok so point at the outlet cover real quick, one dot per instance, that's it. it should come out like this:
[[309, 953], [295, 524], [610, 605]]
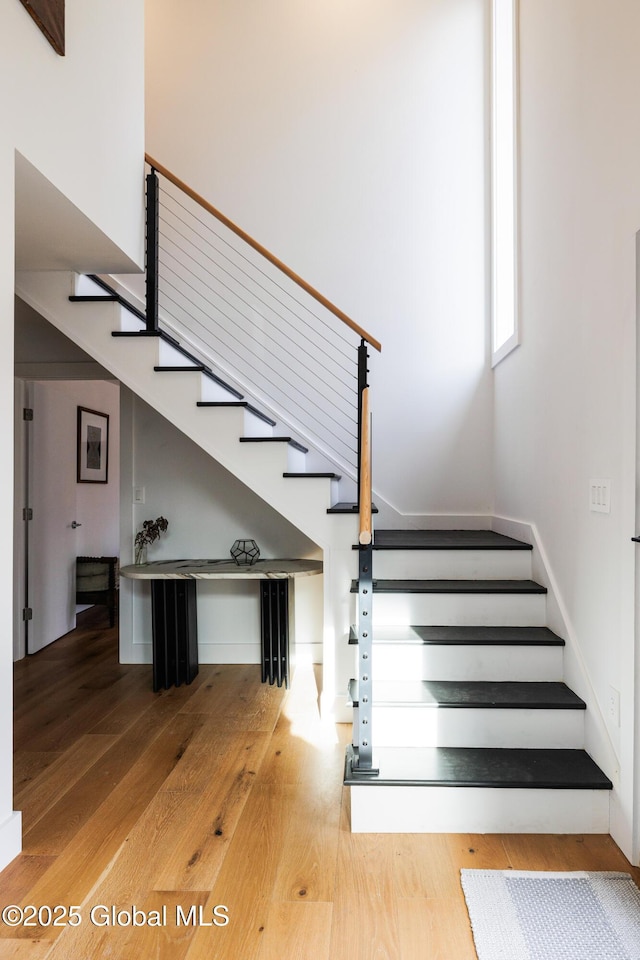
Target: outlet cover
[[614, 706], [600, 496]]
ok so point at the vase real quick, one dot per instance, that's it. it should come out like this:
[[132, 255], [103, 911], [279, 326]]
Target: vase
[[245, 552], [141, 553]]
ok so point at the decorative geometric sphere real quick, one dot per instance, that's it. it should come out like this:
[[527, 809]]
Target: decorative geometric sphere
[[245, 552]]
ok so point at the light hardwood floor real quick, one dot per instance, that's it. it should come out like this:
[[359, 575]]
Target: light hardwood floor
[[225, 793]]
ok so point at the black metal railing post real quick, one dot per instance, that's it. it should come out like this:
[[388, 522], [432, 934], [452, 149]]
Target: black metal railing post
[[363, 715], [363, 383], [152, 250], [364, 737]]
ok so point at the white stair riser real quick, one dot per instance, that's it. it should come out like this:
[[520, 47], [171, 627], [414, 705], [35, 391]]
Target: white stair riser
[[452, 564], [273, 458], [397, 661], [255, 426], [129, 323], [296, 460], [83, 286], [419, 726], [235, 422], [447, 609], [252, 426], [410, 809], [168, 356], [214, 392], [227, 423]]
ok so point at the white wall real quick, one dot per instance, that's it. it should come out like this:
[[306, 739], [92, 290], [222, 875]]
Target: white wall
[[565, 400], [350, 139], [78, 120], [207, 509]]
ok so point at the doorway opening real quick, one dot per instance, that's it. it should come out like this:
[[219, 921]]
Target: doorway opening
[[58, 516]]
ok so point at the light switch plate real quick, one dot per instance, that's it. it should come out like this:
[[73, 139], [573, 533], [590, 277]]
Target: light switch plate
[[600, 496]]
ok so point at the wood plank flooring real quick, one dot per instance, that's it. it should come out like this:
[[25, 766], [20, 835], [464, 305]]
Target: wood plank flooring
[[224, 793]]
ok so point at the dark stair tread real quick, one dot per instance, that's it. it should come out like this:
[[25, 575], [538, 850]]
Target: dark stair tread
[[290, 440], [481, 767], [454, 586], [460, 636], [238, 403], [445, 540], [345, 507], [94, 298], [137, 333], [196, 368], [326, 476], [476, 694]]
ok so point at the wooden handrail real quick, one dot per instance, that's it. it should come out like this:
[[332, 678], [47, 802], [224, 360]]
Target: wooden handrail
[[239, 232], [366, 526]]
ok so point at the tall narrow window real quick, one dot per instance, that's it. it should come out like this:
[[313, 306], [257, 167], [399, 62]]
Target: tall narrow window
[[504, 180]]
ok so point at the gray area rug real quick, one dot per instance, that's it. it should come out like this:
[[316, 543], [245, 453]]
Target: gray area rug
[[517, 915]]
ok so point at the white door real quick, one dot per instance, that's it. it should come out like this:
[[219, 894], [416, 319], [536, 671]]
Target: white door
[[52, 535]]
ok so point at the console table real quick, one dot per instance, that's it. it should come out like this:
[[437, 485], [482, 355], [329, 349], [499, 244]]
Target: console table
[[174, 612]]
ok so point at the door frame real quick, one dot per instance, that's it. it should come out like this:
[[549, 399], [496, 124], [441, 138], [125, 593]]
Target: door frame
[[20, 538]]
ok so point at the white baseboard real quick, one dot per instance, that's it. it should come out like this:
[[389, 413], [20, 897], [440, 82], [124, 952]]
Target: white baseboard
[[10, 838]]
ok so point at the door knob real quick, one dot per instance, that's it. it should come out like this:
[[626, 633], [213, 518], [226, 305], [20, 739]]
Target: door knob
[[74, 524]]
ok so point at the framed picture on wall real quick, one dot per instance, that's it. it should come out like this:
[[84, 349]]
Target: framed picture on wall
[[93, 446], [49, 15]]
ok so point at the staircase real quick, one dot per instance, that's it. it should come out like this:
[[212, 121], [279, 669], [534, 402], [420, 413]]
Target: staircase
[[472, 728], [468, 694], [468, 690]]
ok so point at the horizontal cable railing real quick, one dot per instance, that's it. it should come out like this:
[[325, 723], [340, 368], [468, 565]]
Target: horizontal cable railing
[[252, 318]]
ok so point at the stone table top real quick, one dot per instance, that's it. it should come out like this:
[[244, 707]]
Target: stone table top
[[221, 570]]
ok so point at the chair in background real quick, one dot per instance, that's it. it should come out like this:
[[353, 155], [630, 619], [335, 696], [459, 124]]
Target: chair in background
[[97, 582]]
